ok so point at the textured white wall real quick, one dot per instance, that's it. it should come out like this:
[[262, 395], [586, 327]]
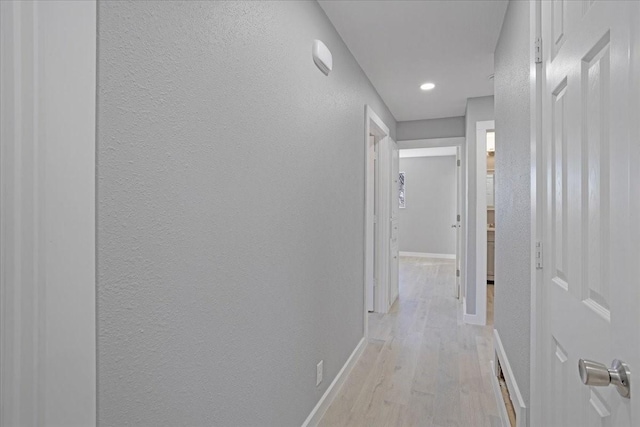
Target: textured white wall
[[478, 110], [230, 211], [447, 127], [513, 191], [425, 224]]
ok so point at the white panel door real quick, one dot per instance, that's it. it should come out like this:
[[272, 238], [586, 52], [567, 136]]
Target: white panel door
[[591, 281], [394, 252]]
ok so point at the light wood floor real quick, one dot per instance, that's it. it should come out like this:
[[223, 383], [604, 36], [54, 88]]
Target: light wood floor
[[422, 366]]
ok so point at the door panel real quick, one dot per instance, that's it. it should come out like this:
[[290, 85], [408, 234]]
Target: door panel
[[459, 204], [371, 195], [589, 277], [395, 213]]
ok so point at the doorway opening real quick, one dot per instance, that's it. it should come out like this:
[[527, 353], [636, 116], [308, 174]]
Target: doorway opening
[[476, 301], [429, 208], [491, 221], [449, 238]]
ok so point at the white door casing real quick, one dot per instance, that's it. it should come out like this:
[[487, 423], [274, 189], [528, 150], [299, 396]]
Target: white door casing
[[47, 213], [377, 187], [370, 224], [383, 215], [480, 273], [590, 296], [394, 248], [458, 222]]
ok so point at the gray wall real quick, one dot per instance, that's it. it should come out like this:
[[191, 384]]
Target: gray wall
[[425, 224], [513, 191], [447, 127], [230, 211], [478, 110]]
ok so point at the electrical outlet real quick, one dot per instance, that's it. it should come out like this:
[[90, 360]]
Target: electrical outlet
[[319, 373]]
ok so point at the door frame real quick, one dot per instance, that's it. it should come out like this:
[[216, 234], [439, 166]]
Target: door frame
[[47, 213], [458, 293], [480, 316], [537, 199], [461, 200], [394, 220], [376, 127]]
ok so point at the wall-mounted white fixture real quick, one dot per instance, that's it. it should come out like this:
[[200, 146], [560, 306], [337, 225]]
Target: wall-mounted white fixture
[[427, 86], [322, 57]]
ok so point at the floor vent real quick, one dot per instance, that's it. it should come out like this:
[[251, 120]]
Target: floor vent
[[505, 395]]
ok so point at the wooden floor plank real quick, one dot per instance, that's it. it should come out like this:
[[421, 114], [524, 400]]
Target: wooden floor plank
[[422, 366]]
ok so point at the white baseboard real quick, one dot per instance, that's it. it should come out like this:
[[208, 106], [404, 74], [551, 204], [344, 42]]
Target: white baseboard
[[514, 392], [327, 398], [502, 408], [428, 255]]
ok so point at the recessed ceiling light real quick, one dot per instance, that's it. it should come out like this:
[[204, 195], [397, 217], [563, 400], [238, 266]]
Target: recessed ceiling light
[[427, 86]]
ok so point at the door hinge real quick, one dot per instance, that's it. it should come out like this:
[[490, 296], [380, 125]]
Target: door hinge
[[538, 255], [458, 218], [538, 50], [458, 162], [375, 155], [458, 273]]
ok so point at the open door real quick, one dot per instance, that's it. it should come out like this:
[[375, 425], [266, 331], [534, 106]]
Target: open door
[[458, 224], [377, 213], [394, 250], [590, 292]]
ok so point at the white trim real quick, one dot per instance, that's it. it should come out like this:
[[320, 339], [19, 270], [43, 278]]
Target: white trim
[[502, 407], [514, 392], [428, 255], [480, 316], [47, 213], [456, 141], [394, 222], [460, 208], [471, 319], [406, 153], [375, 126], [536, 82], [330, 394]]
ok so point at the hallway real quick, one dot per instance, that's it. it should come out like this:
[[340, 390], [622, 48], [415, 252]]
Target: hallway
[[148, 149], [422, 365]]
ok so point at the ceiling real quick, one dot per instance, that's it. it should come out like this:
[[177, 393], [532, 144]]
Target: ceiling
[[402, 44]]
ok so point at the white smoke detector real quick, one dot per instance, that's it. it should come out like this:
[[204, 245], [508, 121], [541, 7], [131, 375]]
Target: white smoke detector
[[322, 57]]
